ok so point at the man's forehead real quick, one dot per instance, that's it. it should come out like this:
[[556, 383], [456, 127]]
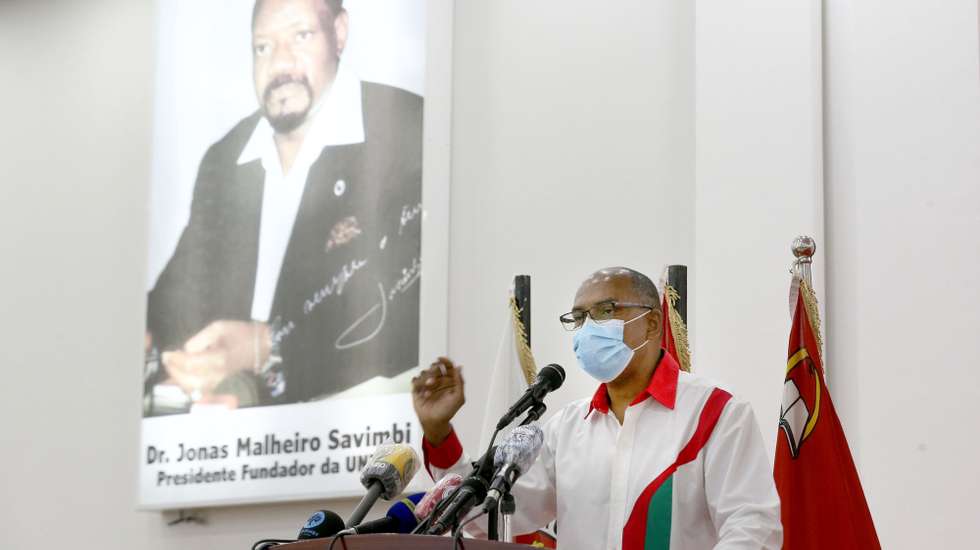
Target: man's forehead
[[274, 15], [605, 284]]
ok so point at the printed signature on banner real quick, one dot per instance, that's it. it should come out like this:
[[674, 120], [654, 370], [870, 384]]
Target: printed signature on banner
[[343, 341], [284, 330], [409, 276], [335, 286], [409, 213]]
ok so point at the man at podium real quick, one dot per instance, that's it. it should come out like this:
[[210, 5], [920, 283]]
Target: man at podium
[[656, 458]]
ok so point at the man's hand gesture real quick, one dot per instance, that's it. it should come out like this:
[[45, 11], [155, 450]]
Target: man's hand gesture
[[437, 394]]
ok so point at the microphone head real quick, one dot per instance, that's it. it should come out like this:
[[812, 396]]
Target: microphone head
[[521, 447], [442, 489], [403, 512], [553, 376], [392, 465], [323, 523]]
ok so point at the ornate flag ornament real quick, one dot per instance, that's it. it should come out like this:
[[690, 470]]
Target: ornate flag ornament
[[674, 338], [823, 504], [528, 367]]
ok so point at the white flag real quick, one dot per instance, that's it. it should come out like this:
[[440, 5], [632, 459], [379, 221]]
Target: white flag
[[513, 371]]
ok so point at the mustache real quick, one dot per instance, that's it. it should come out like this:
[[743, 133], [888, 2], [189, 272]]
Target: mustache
[[282, 80]]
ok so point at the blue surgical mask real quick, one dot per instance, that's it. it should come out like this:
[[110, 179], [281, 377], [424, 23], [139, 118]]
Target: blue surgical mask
[[600, 348]]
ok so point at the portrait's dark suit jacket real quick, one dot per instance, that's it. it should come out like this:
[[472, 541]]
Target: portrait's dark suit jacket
[[347, 302]]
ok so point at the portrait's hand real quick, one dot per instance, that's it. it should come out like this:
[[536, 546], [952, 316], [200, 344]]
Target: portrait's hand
[[221, 349], [437, 394]]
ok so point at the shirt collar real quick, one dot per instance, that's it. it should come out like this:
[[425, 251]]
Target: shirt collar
[[662, 387], [338, 120]]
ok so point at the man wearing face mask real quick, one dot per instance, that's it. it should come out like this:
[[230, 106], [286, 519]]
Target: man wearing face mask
[[657, 458]]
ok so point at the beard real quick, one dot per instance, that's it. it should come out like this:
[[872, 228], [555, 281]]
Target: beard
[[285, 122]]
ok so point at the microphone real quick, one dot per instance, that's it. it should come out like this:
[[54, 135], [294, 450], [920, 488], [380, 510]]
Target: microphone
[[399, 519], [513, 457], [472, 491], [549, 379], [388, 472], [442, 489], [323, 523]]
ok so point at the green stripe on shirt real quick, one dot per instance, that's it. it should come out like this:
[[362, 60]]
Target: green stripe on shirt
[[658, 517]]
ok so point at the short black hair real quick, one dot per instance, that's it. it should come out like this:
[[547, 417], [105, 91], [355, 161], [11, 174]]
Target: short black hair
[[334, 6]]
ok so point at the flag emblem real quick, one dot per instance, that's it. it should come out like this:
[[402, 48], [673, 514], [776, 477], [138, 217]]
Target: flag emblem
[[800, 410]]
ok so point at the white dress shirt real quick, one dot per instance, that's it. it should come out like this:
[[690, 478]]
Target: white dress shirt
[[686, 470], [338, 120]]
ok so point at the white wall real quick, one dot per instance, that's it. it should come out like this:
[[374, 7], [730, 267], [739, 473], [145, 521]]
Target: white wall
[[572, 151], [759, 185], [903, 187]]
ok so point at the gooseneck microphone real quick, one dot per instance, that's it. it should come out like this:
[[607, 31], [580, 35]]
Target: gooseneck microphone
[[400, 518], [323, 523], [549, 379], [388, 472], [513, 457]]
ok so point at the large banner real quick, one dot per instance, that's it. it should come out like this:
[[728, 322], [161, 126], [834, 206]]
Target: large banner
[[283, 296]]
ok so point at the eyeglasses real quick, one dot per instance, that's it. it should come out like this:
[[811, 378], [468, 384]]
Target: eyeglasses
[[603, 311]]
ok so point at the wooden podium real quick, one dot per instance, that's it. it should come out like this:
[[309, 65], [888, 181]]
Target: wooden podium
[[400, 542]]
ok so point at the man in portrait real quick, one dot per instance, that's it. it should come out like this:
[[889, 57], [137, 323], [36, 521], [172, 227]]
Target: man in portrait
[[297, 273]]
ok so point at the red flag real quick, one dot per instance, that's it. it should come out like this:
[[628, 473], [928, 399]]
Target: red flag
[[823, 504]]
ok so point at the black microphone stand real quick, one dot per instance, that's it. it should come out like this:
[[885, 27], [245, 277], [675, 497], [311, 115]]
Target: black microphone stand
[[535, 413]]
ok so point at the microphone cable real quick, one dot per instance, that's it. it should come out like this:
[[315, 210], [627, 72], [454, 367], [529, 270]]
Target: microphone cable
[[458, 533], [334, 540], [270, 542]]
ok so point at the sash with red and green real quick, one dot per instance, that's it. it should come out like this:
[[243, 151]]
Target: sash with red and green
[[648, 527], [823, 504]]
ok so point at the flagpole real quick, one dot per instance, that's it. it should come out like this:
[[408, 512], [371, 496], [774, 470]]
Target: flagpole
[[677, 279], [804, 247], [522, 295]]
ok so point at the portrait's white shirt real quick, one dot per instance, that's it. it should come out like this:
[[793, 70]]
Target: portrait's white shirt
[[592, 471], [337, 120]]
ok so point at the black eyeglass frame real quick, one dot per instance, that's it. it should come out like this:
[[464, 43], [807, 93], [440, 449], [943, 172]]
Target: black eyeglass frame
[[570, 323]]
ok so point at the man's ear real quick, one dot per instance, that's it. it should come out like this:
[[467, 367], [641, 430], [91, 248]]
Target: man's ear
[[341, 24], [655, 326]]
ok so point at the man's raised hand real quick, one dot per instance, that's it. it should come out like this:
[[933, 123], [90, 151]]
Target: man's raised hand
[[437, 394]]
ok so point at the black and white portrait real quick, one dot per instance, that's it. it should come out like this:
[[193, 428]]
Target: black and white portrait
[[286, 205]]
